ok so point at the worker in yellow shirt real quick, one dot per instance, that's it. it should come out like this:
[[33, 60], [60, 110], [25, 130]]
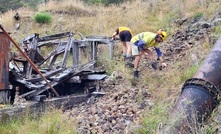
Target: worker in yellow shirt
[[125, 35], [141, 44]]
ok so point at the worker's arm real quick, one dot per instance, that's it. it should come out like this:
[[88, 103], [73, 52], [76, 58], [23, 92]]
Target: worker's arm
[[160, 55], [115, 33]]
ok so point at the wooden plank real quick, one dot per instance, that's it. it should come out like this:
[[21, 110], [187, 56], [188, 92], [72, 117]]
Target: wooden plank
[[55, 36]]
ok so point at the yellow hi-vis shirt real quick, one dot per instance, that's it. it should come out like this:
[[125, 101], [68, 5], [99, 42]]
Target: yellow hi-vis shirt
[[147, 37], [124, 29]]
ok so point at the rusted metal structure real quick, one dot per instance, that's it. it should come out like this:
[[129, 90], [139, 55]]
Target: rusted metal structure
[[51, 65], [199, 96], [4, 67]]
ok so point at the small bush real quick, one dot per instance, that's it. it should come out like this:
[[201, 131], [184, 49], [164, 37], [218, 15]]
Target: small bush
[[188, 73], [43, 18], [152, 118], [198, 16], [217, 30]]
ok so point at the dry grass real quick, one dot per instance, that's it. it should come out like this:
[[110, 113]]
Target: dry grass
[[76, 16], [54, 5], [139, 15], [53, 122], [7, 20]]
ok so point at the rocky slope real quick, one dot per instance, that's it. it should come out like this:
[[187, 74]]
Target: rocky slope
[[120, 109]]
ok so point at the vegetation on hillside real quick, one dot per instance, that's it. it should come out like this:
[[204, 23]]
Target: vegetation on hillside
[[6, 5], [53, 122], [42, 18], [96, 19]]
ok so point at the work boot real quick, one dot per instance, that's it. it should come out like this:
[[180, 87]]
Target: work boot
[[129, 62], [125, 58], [132, 58], [136, 74]]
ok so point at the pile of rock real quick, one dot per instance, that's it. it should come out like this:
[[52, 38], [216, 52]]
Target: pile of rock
[[114, 112]]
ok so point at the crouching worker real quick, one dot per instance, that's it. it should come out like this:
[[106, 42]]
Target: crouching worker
[[142, 43], [125, 35]]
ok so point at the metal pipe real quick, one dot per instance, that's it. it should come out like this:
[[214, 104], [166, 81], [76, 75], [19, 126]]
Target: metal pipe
[[199, 96], [28, 59]]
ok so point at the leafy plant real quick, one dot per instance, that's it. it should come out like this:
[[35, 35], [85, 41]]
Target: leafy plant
[[152, 119], [186, 74], [43, 18], [198, 16]]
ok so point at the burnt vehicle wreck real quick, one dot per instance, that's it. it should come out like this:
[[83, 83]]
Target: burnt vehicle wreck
[[50, 66]]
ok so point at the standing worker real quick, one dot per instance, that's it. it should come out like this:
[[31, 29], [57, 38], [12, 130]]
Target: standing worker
[[142, 43], [125, 35]]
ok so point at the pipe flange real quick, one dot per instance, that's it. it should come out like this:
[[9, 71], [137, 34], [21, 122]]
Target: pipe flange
[[208, 86]]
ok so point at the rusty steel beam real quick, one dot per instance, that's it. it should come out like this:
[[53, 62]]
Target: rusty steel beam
[[199, 95], [4, 61], [29, 60]]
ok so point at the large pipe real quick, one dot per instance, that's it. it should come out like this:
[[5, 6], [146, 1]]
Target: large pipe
[[199, 96]]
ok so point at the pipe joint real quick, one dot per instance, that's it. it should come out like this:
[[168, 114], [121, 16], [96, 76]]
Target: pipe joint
[[207, 86]]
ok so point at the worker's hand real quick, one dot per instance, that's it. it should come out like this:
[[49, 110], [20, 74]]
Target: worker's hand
[[154, 65], [164, 64]]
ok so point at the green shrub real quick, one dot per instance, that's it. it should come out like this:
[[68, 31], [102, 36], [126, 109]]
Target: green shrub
[[43, 18], [198, 16], [188, 73], [153, 118], [217, 30]]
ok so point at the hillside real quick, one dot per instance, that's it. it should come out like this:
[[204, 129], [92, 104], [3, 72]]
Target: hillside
[[193, 27]]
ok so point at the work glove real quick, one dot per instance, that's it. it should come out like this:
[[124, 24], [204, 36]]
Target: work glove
[[154, 65], [163, 65], [113, 38]]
